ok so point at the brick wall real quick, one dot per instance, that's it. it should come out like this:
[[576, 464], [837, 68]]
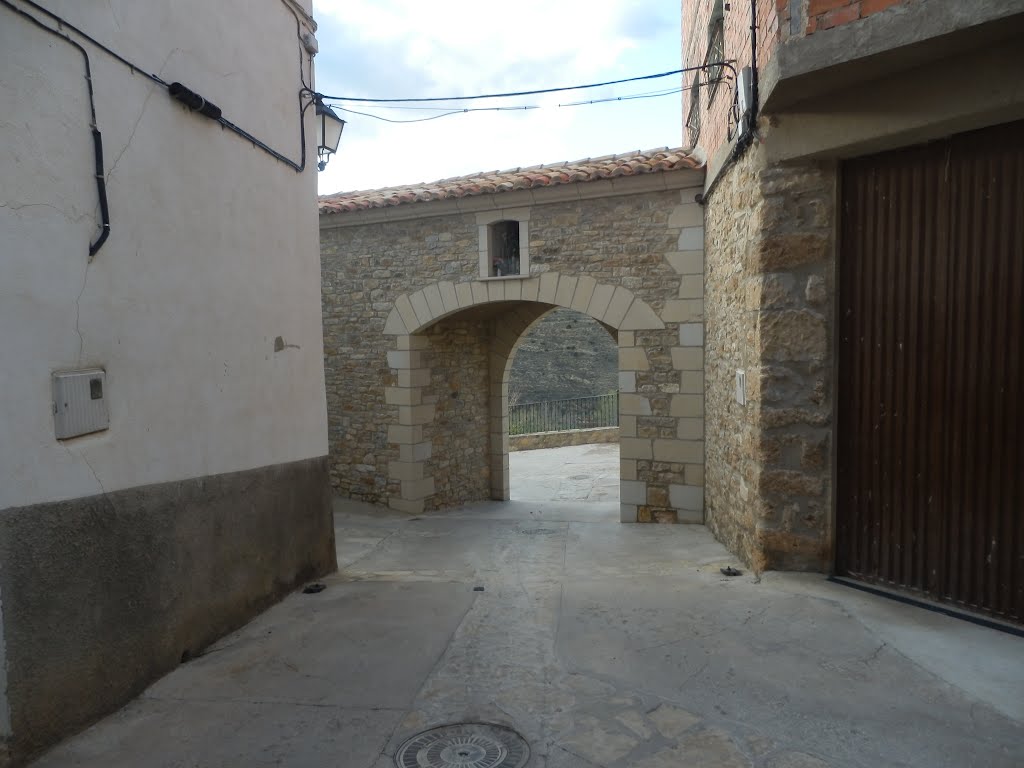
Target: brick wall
[[826, 14], [696, 15]]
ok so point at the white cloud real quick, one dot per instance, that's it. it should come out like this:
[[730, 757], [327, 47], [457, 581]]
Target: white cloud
[[406, 48]]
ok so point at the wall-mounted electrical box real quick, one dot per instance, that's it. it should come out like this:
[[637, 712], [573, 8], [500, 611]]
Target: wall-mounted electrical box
[[745, 98], [80, 402], [741, 387]]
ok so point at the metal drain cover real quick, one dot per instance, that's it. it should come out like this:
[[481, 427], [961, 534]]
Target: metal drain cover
[[465, 745]]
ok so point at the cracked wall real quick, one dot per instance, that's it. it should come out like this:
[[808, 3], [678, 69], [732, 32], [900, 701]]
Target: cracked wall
[[207, 497]]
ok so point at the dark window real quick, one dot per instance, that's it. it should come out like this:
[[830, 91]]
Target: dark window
[[716, 49], [503, 248], [693, 117]]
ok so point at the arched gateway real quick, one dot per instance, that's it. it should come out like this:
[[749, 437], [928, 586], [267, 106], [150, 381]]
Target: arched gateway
[[429, 290]]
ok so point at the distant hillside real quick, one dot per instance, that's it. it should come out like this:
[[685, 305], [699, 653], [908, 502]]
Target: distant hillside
[[565, 355]]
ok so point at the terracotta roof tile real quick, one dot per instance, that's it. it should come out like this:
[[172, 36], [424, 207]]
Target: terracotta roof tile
[[591, 169]]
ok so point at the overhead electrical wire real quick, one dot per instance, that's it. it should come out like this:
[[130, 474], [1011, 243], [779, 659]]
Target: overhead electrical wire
[[534, 92]]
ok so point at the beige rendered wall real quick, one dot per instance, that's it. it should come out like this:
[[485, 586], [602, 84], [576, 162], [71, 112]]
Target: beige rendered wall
[[212, 253]]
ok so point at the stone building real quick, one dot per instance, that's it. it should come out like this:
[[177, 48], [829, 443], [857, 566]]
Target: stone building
[[427, 290], [163, 471], [862, 288]]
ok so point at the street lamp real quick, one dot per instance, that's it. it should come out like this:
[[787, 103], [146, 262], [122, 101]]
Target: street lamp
[[329, 128]]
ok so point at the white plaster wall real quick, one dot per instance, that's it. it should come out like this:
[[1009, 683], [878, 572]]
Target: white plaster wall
[[213, 251]]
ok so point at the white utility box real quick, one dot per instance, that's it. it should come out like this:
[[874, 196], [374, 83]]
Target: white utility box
[[80, 402]]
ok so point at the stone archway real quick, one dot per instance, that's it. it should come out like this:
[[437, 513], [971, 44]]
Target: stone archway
[[522, 302]]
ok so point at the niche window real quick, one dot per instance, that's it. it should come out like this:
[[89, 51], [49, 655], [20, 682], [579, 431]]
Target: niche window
[[503, 241], [504, 244]]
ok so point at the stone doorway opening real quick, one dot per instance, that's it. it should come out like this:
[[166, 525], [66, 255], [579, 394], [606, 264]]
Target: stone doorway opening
[[563, 411], [450, 375]]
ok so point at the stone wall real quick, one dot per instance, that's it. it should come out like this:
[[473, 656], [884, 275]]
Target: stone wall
[[770, 255], [409, 328], [535, 440]]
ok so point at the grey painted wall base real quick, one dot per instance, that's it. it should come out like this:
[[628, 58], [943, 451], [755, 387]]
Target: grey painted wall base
[[104, 594]]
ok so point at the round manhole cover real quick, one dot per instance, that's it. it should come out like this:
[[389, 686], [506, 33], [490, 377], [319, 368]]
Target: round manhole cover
[[466, 745]]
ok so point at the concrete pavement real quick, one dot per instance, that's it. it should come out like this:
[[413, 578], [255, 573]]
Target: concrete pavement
[[602, 644], [572, 473]]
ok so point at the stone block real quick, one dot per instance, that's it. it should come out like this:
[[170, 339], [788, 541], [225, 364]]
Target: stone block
[[585, 287], [404, 307], [690, 429], [395, 325], [448, 297], [416, 377], [496, 290], [640, 317], [433, 295], [816, 291], [464, 294], [418, 489], [626, 338], [421, 308], [409, 506], [691, 334], [687, 406], [634, 405], [548, 287], [479, 292], [683, 311], [405, 434], [633, 359], [405, 359], [773, 290], [688, 358], [513, 290], [415, 342], [691, 287], [691, 516], [635, 448], [694, 474], [793, 335], [679, 451], [415, 414], [686, 262], [627, 381], [627, 513], [406, 470], [627, 426], [687, 497], [633, 491], [785, 251], [618, 307], [600, 301], [415, 452], [403, 395], [566, 288], [691, 239], [530, 288], [627, 469], [686, 215], [691, 382]]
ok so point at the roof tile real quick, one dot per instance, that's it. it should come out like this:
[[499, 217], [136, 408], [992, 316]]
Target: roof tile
[[493, 182]]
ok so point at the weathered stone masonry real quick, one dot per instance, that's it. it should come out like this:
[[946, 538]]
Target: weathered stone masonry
[[418, 347], [769, 292]]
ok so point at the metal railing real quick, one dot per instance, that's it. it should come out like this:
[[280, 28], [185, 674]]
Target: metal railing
[[564, 415]]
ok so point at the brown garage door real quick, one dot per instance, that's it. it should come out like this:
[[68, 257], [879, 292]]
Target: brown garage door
[[930, 486]]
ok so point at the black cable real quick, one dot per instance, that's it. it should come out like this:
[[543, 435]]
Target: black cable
[[432, 117], [535, 92], [97, 138], [298, 167]]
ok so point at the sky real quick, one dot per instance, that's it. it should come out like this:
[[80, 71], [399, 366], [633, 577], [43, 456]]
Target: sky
[[420, 48]]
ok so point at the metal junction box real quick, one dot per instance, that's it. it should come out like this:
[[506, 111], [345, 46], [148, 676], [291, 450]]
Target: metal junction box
[[80, 402]]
